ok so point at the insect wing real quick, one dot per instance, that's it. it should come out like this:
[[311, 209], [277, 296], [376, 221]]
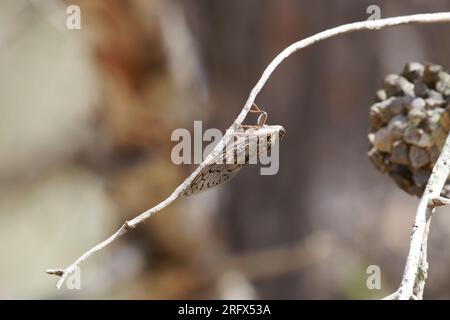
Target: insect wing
[[246, 148], [212, 175], [223, 167]]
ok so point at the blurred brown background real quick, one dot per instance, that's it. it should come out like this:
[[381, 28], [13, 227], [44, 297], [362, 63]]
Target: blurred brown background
[[85, 123]]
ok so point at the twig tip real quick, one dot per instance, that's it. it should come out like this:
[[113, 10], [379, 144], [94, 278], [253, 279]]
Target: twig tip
[[56, 272]]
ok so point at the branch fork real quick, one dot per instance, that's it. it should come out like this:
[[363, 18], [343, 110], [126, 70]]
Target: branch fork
[[416, 269]]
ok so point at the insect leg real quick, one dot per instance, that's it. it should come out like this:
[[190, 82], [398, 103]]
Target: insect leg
[[255, 108]]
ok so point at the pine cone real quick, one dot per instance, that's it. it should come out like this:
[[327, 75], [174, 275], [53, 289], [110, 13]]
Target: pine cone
[[409, 125]]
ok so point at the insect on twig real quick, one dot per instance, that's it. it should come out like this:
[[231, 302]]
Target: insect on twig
[[295, 47], [248, 144]]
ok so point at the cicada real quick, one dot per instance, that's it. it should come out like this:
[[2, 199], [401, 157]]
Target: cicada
[[246, 147]]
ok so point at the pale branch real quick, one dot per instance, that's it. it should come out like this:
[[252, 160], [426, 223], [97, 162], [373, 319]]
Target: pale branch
[[415, 273], [347, 28], [392, 296], [422, 268], [422, 272]]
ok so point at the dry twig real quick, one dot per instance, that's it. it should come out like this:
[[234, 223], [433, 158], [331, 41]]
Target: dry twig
[[347, 28], [416, 269]]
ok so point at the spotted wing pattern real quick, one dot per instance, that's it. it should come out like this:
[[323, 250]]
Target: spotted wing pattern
[[219, 172], [213, 175]]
